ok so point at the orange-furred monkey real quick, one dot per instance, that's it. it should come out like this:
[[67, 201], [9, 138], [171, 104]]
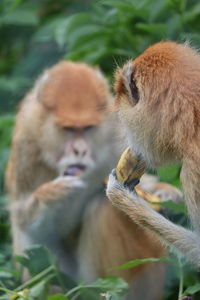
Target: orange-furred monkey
[[62, 149], [158, 102]]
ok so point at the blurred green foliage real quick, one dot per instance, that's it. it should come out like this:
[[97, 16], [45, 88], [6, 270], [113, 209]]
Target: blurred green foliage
[[36, 34]]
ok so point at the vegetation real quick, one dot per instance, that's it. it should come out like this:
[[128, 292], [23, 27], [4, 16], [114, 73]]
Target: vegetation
[[35, 34]]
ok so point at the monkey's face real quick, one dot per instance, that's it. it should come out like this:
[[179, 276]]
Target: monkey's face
[[68, 149], [75, 98], [153, 99]]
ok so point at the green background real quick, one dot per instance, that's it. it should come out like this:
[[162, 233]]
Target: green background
[[35, 35]]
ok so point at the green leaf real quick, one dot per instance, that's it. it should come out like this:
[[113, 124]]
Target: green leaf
[[191, 290], [110, 283], [176, 207], [69, 25], [191, 14], [37, 259], [20, 16], [39, 291], [174, 25], [58, 297], [126, 5], [156, 29], [47, 32], [123, 6], [156, 8], [83, 34], [5, 275], [128, 9], [16, 3], [91, 57], [113, 286], [137, 262], [178, 5], [169, 173]]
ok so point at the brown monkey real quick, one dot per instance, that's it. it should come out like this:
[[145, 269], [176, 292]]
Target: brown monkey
[[62, 149], [158, 102]]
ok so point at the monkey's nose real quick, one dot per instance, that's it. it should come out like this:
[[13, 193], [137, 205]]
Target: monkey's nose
[[80, 148]]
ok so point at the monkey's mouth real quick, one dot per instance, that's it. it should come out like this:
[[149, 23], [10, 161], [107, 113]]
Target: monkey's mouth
[[74, 170]]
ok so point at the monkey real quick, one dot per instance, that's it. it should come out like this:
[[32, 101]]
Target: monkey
[[157, 102], [63, 147]]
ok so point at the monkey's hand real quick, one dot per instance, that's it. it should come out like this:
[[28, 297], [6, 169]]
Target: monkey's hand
[[123, 180], [50, 195], [125, 199], [58, 189], [69, 182]]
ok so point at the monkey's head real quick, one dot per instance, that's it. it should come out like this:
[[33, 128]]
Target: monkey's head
[[158, 101], [74, 102]]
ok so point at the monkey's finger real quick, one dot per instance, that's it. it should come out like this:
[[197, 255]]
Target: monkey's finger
[[70, 182], [131, 185], [75, 182], [113, 182], [129, 168]]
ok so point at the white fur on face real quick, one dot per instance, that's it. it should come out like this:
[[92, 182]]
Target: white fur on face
[[69, 158]]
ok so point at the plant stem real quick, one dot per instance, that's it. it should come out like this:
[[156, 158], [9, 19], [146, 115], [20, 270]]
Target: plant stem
[[80, 287], [75, 289], [6, 290], [76, 296], [180, 293], [36, 278], [59, 277]]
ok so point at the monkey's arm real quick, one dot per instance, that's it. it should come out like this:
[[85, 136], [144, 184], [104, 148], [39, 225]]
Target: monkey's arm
[[46, 198], [142, 214]]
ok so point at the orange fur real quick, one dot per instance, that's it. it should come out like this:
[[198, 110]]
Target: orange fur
[[123, 241], [158, 102], [76, 87], [167, 76], [51, 134]]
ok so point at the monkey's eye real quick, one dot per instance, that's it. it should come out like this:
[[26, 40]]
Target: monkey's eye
[[89, 127], [74, 129], [133, 88], [69, 129]]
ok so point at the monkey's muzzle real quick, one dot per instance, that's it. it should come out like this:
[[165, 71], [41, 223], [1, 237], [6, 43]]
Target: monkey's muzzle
[[74, 170]]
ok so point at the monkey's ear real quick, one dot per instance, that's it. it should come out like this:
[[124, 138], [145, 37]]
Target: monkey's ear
[[40, 83], [128, 75], [99, 73], [43, 94]]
